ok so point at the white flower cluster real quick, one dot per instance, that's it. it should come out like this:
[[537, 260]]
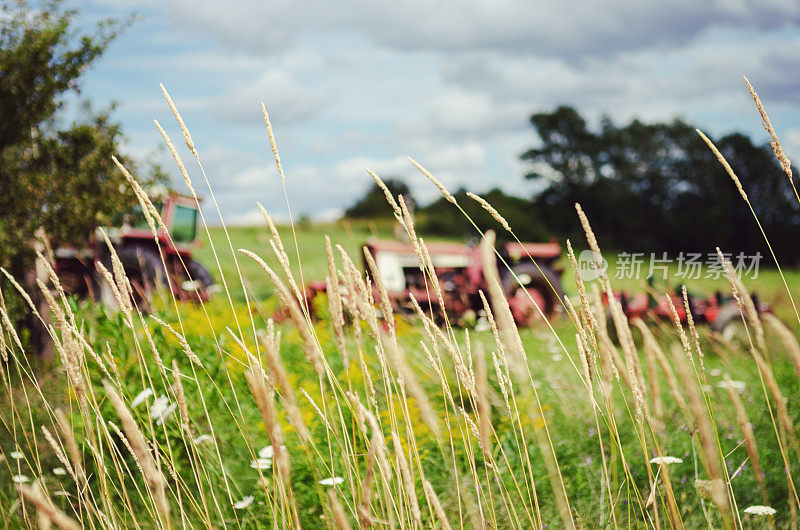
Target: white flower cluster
[[161, 409], [732, 384], [759, 510], [666, 460]]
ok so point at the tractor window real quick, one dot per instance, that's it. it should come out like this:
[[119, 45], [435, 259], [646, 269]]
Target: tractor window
[[136, 218], [184, 224]]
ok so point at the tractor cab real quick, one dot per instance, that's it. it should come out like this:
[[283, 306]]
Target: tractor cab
[[178, 212], [149, 262]]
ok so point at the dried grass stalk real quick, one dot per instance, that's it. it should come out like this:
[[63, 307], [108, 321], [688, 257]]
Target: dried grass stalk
[[484, 408], [725, 164], [437, 505], [59, 452], [408, 481], [777, 396], [749, 438], [389, 197], [787, 338], [186, 136], [435, 181], [339, 517], [777, 149], [502, 313], [692, 329], [177, 157], [489, 208], [705, 431], [35, 496], [152, 475], [385, 301], [69, 441], [180, 397], [273, 145], [311, 348], [335, 304]]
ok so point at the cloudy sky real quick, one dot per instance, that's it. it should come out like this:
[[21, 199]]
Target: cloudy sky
[[451, 83]]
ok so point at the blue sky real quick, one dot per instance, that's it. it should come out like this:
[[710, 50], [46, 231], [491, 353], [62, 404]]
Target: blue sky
[[451, 83]]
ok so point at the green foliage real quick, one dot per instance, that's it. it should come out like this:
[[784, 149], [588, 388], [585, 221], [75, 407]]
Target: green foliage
[[373, 204], [58, 179], [442, 218], [657, 187]]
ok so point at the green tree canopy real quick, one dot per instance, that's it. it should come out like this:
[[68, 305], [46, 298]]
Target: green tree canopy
[[54, 177], [657, 187], [373, 204], [442, 218]]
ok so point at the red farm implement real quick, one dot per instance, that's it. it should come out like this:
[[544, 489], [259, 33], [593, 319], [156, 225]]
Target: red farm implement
[[459, 270], [77, 264]]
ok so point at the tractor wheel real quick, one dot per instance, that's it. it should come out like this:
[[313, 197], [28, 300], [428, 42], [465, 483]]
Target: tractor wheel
[[201, 280], [540, 288], [728, 323], [199, 273], [145, 273]]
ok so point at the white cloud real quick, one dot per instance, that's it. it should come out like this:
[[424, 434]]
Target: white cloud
[[452, 83], [572, 31], [288, 100]]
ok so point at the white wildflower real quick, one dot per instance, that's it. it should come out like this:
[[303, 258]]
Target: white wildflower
[[268, 452], [201, 439], [59, 471], [331, 481], [666, 460], [161, 409], [759, 510], [261, 463], [141, 397], [732, 384], [16, 455], [169, 410], [244, 503], [20, 479]]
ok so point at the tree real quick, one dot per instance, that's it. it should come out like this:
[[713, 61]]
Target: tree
[[53, 179], [657, 187], [442, 218], [373, 204]]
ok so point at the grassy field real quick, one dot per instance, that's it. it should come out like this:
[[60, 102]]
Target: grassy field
[[401, 425], [353, 234]]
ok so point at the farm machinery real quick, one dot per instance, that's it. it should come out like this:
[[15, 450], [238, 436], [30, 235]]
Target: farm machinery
[[134, 243], [719, 311], [459, 270], [536, 281]]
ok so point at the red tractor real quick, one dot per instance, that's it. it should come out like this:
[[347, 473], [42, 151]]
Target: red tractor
[[76, 265], [719, 311], [459, 270]]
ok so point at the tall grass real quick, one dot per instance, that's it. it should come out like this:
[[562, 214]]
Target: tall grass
[[218, 416]]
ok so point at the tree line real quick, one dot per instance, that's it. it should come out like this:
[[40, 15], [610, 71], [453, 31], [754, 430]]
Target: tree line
[[647, 187]]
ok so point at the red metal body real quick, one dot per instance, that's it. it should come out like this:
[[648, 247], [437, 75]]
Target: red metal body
[[459, 271], [715, 310], [76, 264]]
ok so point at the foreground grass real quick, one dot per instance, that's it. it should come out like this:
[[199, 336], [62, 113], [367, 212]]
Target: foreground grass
[[220, 415], [603, 462]]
